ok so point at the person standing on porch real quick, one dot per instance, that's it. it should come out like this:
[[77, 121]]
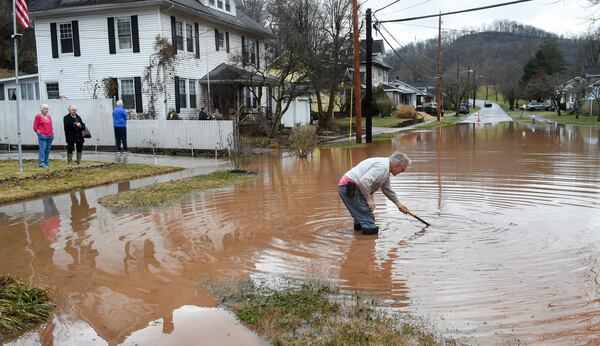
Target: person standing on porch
[[73, 134], [120, 124], [42, 125]]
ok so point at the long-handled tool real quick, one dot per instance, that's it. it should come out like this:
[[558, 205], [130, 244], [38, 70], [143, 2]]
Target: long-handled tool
[[418, 218]]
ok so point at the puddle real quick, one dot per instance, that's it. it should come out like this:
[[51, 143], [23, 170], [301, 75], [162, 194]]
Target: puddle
[[512, 255]]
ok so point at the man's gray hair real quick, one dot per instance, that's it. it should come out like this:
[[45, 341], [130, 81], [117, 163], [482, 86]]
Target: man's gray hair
[[120, 103], [399, 157], [43, 105]]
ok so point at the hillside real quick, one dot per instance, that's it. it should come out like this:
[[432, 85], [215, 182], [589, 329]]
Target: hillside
[[497, 51]]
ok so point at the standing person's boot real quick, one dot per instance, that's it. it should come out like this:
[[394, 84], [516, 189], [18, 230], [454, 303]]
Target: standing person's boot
[[79, 157], [69, 158]]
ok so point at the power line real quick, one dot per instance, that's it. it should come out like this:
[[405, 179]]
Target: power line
[[455, 12], [386, 6], [404, 61], [409, 7], [404, 45]]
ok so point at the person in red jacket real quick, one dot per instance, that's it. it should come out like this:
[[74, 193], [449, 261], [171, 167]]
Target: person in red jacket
[[42, 125]]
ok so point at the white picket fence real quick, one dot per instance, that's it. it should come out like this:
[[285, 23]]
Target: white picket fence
[[97, 115]]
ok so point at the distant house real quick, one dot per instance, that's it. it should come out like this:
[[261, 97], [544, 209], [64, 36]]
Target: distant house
[[591, 73], [573, 92], [401, 93], [29, 84], [380, 70], [85, 45], [427, 90]]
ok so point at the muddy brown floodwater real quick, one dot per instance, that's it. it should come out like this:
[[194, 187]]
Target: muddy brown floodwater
[[512, 256]]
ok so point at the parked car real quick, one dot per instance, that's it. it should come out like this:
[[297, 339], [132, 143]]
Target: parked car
[[463, 109], [539, 106], [487, 104]]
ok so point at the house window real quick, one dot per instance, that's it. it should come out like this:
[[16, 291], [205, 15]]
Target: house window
[[221, 40], [29, 91], [251, 51], [179, 35], [12, 94], [189, 37], [211, 2], [220, 4], [184, 35], [182, 93], [124, 33], [127, 93], [52, 91], [66, 37], [228, 5], [250, 99], [192, 84]]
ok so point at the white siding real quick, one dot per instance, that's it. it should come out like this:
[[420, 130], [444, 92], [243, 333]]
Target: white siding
[[96, 63], [97, 115]]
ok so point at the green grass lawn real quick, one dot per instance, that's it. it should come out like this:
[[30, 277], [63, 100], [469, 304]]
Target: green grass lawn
[[36, 182], [21, 307], [565, 118], [157, 194], [446, 121], [320, 314], [377, 121]]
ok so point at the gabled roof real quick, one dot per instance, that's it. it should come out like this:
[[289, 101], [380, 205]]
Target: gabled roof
[[378, 62], [226, 74], [21, 77], [40, 8], [402, 87]]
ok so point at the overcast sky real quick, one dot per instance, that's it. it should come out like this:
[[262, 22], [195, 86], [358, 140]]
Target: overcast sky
[[557, 16]]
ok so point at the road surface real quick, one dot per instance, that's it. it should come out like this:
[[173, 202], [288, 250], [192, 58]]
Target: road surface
[[491, 115]]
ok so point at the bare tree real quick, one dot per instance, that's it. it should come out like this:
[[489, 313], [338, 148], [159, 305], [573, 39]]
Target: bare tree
[[255, 9]]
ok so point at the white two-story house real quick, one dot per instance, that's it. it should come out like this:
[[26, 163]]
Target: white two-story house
[[101, 48]]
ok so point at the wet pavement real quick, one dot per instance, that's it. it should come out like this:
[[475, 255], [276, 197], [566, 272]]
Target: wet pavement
[[488, 115], [512, 256]]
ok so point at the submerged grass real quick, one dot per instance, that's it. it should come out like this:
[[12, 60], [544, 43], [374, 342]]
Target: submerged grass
[[352, 144], [21, 307], [37, 182], [319, 314], [157, 194]]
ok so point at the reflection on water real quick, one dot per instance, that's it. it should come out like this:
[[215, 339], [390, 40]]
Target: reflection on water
[[512, 254]]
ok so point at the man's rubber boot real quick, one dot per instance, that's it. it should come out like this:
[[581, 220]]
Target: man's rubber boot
[[357, 227], [79, 153], [370, 231], [69, 158]]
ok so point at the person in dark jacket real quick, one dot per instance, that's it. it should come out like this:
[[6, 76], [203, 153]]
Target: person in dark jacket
[[73, 134]]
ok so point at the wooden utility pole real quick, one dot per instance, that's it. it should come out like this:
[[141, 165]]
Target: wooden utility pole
[[369, 79], [357, 92], [438, 81], [457, 104]]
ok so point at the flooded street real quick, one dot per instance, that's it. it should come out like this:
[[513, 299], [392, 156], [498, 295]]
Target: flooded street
[[512, 256]]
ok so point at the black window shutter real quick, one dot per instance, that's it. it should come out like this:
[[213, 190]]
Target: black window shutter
[[135, 34], [177, 105], [217, 39], [174, 36], [137, 83], [257, 55], [243, 50], [1, 92], [76, 48], [227, 42], [197, 33], [54, 40], [116, 81], [112, 48]]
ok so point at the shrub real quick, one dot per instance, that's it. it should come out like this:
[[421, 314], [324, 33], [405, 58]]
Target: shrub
[[406, 112], [303, 140], [384, 105]]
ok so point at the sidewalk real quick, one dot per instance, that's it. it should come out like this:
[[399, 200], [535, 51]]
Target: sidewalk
[[187, 162]]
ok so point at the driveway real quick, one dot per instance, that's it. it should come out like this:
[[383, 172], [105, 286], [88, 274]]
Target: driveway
[[491, 115]]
